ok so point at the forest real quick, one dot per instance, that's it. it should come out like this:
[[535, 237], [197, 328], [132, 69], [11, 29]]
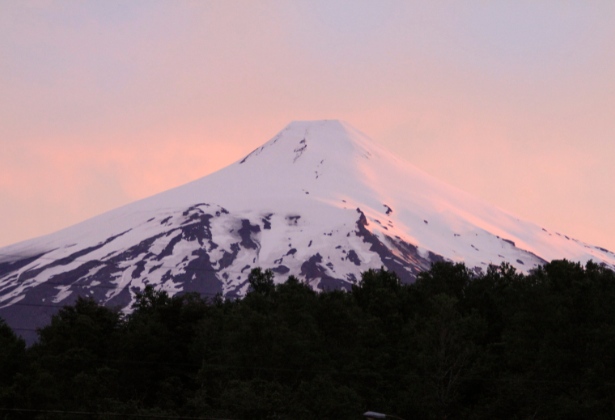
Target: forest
[[455, 344]]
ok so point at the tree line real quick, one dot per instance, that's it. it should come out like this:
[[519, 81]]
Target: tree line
[[453, 345]]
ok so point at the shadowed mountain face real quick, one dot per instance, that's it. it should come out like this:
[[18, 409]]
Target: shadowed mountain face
[[320, 201]]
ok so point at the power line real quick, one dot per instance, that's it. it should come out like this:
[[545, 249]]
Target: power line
[[177, 229], [123, 270], [152, 264], [107, 413], [385, 374], [60, 304], [108, 262]]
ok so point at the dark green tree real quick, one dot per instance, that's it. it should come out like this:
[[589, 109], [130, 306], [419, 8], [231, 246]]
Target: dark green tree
[[261, 282], [72, 366], [12, 363], [158, 348]]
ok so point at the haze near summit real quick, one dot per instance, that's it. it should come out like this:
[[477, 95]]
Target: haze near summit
[[106, 102]]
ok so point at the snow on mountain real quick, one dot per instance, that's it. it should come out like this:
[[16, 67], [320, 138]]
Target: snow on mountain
[[320, 200]]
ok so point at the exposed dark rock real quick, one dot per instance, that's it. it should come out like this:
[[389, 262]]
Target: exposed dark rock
[[281, 269], [199, 230], [28, 314], [139, 268], [253, 152], [156, 267], [246, 231], [267, 221], [353, 257], [330, 283], [299, 150], [407, 268], [229, 257], [121, 300], [312, 269], [168, 250], [67, 260], [235, 293], [199, 276], [8, 266]]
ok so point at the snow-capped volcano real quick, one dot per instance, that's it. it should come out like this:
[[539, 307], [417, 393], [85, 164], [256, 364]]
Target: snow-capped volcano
[[320, 200]]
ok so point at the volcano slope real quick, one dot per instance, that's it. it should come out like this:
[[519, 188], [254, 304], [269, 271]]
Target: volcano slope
[[320, 201]]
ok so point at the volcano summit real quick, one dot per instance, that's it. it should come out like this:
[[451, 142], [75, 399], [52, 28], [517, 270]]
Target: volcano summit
[[320, 201]]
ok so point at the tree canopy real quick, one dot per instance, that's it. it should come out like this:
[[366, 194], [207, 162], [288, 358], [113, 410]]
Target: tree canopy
[[455, 344]]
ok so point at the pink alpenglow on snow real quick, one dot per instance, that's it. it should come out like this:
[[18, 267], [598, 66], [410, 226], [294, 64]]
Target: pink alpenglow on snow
[[320, 201]]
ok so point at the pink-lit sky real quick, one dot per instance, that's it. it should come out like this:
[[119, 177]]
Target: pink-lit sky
[[103, 102]]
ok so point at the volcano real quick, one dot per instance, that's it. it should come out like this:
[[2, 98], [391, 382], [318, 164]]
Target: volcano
[[320, 201]]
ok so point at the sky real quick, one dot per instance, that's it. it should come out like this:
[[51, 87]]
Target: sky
[[103, 102]]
